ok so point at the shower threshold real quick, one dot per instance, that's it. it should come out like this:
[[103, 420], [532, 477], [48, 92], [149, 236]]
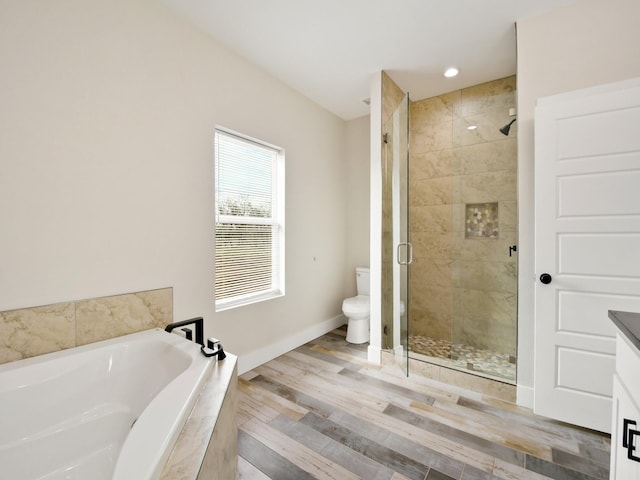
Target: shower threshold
[[482, 362]]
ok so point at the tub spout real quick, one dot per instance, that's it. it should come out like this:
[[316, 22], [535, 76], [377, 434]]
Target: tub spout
[[214, 347], [197, 321]]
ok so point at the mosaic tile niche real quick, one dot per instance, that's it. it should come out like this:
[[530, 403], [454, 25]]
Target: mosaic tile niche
[[481, 220]]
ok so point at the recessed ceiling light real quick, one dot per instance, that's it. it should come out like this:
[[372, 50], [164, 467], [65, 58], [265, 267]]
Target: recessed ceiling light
[[472, 127], [451, 72]]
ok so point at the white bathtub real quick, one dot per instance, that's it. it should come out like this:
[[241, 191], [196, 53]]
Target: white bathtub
[[109, 410]]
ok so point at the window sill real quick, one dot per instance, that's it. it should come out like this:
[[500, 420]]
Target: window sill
[[223, 305]]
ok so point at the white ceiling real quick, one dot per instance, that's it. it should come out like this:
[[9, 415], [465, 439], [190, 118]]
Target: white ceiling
[[328, 49]]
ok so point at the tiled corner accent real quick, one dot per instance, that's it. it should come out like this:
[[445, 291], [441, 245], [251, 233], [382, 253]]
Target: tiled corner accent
[[107, 317], [481, 220], [208, 444], [392, 95], [28, 332], [35, 331]]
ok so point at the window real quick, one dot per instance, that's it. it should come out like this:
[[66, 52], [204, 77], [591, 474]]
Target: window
[[249, 206]]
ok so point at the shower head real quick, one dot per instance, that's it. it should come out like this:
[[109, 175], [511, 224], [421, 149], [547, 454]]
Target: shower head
[[505, 130]]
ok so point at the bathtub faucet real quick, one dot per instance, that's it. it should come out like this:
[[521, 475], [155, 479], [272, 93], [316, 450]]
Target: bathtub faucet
[[197, 321], [214, 347]]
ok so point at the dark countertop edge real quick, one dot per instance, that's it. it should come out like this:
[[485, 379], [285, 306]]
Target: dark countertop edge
[[629, 324]]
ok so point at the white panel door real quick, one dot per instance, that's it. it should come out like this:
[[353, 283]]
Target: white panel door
[[587, 200]]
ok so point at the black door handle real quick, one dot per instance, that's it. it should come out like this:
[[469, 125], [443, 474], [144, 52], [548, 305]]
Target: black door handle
[[545, 278]]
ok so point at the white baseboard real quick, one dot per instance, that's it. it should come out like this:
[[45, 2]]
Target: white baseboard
[[524, 396], [398, 353], [256, 358], [374, 355]]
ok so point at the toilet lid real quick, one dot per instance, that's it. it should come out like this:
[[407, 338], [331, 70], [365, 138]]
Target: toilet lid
[[357, 304]]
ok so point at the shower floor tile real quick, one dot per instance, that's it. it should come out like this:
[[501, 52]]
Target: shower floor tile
[[464, 357]]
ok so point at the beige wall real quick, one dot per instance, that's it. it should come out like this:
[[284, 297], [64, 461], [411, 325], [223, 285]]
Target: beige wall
[[357, 171], [463, 285], [589, 43], [106, 131]]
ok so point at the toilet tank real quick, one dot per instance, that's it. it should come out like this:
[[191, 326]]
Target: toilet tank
[[362, 280]]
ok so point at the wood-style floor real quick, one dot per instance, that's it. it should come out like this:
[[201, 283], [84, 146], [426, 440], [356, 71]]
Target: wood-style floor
[[322, 412]]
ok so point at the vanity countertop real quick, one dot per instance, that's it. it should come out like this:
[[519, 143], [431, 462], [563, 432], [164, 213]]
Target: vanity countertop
[[629, 324]]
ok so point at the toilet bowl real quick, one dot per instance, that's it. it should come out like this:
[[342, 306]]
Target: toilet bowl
[[357, 309]]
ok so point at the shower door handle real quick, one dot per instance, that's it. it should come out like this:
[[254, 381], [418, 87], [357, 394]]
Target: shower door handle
[[409, 260]]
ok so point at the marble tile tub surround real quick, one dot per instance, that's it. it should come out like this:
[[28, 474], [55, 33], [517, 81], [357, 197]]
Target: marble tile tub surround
[[463, 289], [28, 332]]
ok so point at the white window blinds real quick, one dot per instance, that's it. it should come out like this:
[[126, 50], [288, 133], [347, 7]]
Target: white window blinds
[[249, 220]]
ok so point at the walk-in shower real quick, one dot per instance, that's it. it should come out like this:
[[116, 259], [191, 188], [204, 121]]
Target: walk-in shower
[[462, 225]]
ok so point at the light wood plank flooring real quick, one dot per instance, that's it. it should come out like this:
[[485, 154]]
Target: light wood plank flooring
[[322, 412]]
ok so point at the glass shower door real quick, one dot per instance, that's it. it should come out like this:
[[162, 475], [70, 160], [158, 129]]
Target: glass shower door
[[404, 249]]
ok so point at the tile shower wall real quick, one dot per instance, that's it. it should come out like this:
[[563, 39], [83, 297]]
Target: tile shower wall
[[463, 282], [28, 332]]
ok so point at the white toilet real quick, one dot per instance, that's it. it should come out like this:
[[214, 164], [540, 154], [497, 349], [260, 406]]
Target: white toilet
[[356, 309]]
